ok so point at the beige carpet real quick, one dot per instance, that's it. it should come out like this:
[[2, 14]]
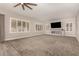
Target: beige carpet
[[42, 45]]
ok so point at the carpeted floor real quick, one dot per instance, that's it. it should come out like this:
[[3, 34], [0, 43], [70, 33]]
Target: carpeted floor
[[42, 45]]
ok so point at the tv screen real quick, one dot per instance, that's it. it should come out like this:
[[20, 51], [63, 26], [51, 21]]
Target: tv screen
[[56, 25]]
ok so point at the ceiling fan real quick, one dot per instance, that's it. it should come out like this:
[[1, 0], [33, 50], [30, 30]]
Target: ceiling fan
[[26, 5]]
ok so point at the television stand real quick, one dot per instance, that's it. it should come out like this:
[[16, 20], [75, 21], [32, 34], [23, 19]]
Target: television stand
[[58, 31]]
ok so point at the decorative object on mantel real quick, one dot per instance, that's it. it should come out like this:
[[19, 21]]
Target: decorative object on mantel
[[26, 5]]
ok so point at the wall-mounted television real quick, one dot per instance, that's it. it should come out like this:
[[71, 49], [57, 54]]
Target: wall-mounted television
[[56, 25]]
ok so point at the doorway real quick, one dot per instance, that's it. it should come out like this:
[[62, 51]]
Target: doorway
[[2, 25]]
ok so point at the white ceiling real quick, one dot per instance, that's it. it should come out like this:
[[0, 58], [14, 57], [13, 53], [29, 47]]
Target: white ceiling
[[45, 11]]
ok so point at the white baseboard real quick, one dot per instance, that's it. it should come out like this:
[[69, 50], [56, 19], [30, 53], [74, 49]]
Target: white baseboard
[[21, 37]]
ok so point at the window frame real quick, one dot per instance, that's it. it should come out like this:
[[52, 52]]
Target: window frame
[[38, 27], [22, 20]]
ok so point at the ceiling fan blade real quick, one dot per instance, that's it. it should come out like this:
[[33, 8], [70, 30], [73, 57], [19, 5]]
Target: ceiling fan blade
[[23, 6], [17, 4], [33, 4], [27, 6]]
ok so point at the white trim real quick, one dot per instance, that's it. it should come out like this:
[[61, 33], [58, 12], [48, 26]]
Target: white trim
[[11, 18], [38, 26], [14, 38]]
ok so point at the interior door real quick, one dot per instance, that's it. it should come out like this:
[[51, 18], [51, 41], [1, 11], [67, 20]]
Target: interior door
[[2, 28]]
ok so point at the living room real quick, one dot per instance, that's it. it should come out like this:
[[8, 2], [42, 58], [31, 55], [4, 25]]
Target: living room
[[41, 29]]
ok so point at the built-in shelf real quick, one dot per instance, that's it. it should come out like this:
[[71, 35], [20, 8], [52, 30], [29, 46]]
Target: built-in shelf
[[58, 31]]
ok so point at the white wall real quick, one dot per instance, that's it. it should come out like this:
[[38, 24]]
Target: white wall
[[47, 28], [77, 27], [63, 25], [66, 21], [11, 36]]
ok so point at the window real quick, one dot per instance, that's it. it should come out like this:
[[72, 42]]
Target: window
[[69, 26], [24, 28], [39, 27], [27, 26], [19, 25], [13, 26]]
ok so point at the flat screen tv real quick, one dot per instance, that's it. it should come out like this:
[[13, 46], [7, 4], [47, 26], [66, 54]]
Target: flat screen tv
[[56, 25]]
